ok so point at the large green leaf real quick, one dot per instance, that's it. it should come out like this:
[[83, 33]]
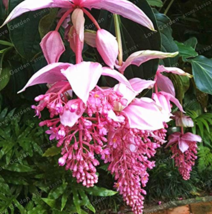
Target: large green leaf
[[167, 42], [202, 72], [185, 50], [137, 37], [156, 3], [192, 42], [46, 22], [24, 31]]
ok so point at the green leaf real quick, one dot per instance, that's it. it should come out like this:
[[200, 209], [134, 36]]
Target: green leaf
[[186, 51], [86, 202], [24, 31], [6, 43], [64, 200], [100, 191], [4, 77], [56, 193], [156, 3], [50, 202], [181, 84], [52, 151], [192, 42], [47, 21], [19, 206], [202, 72], [15, 167], [167, 42], [76, 201]]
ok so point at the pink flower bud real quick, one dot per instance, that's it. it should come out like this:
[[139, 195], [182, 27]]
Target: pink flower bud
[[107, 47], [52, 46], [39, 98], [62, 161]]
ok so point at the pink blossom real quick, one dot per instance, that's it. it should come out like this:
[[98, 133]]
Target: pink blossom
[[184, 149], [122, 7]]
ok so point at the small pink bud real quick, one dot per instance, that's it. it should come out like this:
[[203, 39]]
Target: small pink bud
[[39, 98], [43, 123], [107, 47], [52, 46], [62, 161]]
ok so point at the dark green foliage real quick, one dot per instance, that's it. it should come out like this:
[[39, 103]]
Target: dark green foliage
[[31, 180]]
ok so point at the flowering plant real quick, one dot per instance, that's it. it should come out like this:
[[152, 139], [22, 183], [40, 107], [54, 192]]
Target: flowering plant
[[117, 124]]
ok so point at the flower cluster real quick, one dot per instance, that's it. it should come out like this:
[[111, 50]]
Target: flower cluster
[[87, 120]]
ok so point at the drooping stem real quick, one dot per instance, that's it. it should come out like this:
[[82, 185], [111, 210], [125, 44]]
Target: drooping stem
[[167, 9], [63, 18], [118, 36], [88, 14]]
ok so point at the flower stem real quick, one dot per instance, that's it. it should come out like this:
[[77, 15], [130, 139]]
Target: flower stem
[[167, 9], [63, 18], [88, 14], [118, 36]]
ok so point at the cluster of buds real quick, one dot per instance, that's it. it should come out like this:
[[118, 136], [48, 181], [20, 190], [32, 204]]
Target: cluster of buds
[[87, 120]]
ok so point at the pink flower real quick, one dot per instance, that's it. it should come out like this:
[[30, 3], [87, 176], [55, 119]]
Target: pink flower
[[184, 149], [183, 120], [141, 113], [163, 82], [163, 99], [122, 7], [183, 140], [85, 73]]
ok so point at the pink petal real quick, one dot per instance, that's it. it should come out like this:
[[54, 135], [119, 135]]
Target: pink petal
[[173, 138], [173, 70], [121, 7], [139, 84], [127, 93], [78, 21], [165, 84], [90, 38], [32, 5], [52, 46], [183, 146], [116, 75], [69, 118], [191, 137], [164, 105], [83, 77], [49, 74], [144, 114], [107, 47], [172, 99], [140, 57], [114, 117]]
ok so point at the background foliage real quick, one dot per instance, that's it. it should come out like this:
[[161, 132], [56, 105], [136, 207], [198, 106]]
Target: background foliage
[[31, 180]]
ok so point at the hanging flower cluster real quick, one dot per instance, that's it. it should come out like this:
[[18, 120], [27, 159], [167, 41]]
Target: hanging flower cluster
[[86, 119]]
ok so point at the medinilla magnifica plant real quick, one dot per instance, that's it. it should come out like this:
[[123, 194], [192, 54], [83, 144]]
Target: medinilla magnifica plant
[[112, 122]]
